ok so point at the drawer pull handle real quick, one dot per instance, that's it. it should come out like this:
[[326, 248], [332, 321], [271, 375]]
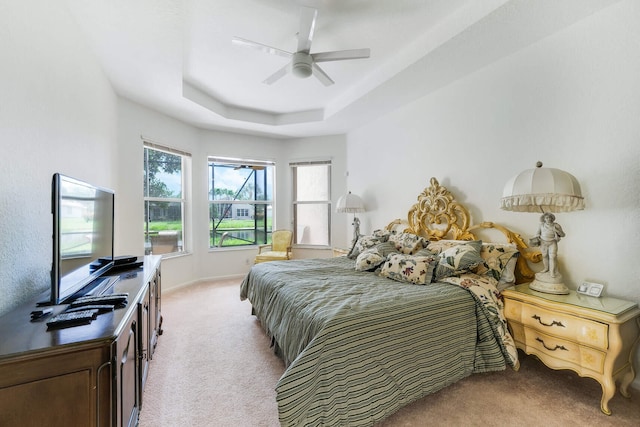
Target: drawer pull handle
[[557, 347], [555, 322]]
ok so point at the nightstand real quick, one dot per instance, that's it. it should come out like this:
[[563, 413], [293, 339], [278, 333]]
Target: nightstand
[[595, 337]]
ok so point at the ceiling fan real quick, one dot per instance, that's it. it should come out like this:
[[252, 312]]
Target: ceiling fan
[[303, 63]]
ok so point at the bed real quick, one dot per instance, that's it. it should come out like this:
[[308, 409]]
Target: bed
[[413, 308]]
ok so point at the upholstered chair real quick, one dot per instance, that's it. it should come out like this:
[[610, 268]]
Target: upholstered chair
[[279, 249]]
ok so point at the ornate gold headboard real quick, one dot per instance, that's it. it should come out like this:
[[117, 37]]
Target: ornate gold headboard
[[438, 215]]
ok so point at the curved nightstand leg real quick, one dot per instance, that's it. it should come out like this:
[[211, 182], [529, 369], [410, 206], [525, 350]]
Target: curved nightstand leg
[[630, 373], [608, 390], [626, 381]]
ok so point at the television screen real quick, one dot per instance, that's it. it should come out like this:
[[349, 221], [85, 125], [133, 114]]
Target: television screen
[[83, 234]]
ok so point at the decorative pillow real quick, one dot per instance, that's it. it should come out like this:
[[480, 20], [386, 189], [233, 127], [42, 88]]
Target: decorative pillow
[[382, 234], [495, 258], [407, 243], [369, 259], [425, 252], [386, 248], [437, 246], [409, 268], [364, 242], [457, 260]]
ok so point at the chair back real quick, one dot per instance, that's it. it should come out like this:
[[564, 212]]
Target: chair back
[[281, 240]]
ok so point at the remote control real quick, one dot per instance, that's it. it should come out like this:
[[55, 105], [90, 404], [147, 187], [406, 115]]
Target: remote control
[[102, 308], [64, 320], [38, 314], [116, 300]]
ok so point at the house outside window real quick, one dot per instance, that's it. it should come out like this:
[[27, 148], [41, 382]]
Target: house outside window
[[312, 203], [164, 199], [240, 202]]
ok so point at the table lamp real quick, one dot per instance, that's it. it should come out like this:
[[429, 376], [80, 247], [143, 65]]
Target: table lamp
[[544, 190], [350, 203]]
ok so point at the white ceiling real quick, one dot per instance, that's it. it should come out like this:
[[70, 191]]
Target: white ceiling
[[176, 56]]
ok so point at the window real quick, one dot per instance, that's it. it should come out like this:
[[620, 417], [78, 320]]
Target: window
[[164, 199], [312, 203], [240, 202]]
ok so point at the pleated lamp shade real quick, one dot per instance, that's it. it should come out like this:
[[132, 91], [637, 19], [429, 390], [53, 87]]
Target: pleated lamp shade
[[542, 190], [350, 203]]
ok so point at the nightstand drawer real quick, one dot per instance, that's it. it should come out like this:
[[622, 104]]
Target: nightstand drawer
[[574, 328], [563, 350]]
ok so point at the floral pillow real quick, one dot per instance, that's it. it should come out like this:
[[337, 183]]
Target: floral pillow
[[409, 268], [369, 259], [458, 259], [365, 242], [386, 248], [407, 243], [382, 234], [495, 258], [437, 246]]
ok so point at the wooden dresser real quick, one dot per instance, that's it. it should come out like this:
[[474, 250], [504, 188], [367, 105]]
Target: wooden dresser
[[595, 337], [88, 375]]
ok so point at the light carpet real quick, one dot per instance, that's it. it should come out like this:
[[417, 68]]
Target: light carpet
[[213, 367]]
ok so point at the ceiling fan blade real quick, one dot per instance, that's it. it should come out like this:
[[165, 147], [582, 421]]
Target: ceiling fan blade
[[321, 75], [308, 18], [278, 75], [340, 55], [261, 47]]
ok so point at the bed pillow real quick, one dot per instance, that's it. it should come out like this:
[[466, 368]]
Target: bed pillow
[[458, 259], [407, 243], [365, 242], [369, 259], [382, 234], [387, 248], [495, 258], [409, 268], [437, 246]]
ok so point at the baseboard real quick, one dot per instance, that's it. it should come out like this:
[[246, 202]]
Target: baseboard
[[201, 280]]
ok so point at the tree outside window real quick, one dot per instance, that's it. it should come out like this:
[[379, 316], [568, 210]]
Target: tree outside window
[[164, 200], [240, 202]]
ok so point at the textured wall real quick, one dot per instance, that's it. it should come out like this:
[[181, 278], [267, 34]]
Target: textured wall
[[57, 114]]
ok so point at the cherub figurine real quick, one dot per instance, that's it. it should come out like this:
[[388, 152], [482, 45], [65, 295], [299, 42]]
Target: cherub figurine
[[549, 234], [356, 229]]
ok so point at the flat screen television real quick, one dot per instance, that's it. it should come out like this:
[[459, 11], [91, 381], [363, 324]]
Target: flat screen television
[[83, 235]]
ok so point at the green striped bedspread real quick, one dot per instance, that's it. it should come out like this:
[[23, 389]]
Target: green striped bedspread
[[358, 347]]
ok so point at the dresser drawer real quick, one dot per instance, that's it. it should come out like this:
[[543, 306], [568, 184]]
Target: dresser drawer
[[564, 350], [577, 329]]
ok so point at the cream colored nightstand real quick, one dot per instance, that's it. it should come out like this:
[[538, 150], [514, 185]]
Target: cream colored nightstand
[[595, 337]]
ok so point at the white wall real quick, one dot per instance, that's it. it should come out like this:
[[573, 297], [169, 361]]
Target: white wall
[[571, 101], [201, 262], [332, 148], [57, 114]]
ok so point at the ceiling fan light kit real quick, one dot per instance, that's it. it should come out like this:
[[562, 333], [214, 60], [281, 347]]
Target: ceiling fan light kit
[[303, 63]]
